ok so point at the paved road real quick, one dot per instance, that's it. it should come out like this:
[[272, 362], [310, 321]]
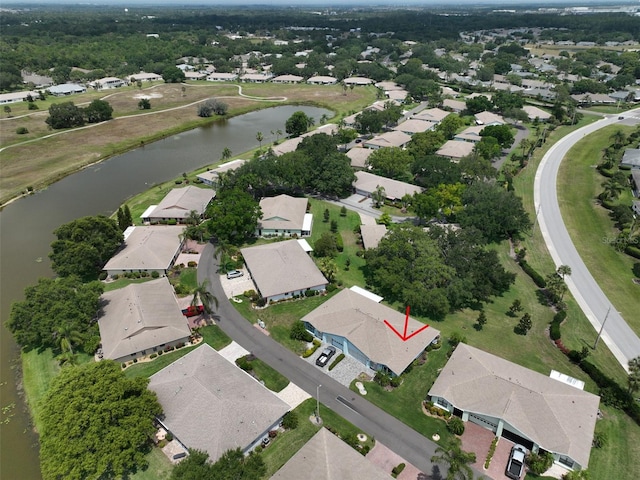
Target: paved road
[[620, 339], [403, 440]]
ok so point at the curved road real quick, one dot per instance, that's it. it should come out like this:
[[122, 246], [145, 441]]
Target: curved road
[[399, 437], [618, 336]]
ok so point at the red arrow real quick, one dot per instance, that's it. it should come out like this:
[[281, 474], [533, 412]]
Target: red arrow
[[404, 336]]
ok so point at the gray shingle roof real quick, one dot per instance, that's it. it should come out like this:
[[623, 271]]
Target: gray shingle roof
[[210, 404], [361, 321], [326, 457], [368, 182], [372, 234], [631, 158], [456, 149], [282, 267], [139, 317], [179, 202], [147, 248], [556, 416], [282, 212]]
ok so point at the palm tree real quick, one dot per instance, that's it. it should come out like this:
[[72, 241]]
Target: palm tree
[[324, 118], [563, 271], [201, 294], [68, 359], [226, 153], [67, 336], [278, 135], [611, 189], [223, 251], [456, 460], [260, 138], [618, 137]]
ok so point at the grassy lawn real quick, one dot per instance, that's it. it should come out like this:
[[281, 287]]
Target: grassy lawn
[[590, 226], [284, 446], [281, 316], [273, 380], [346, 227], [405, 402], [38, 369], [210, 334], [159, 467]]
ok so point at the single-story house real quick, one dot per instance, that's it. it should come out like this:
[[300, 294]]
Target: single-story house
[[635, 206], [455, 106], [455, 149], [15, 97], [322, 80], [194, 75], [535, 112], [291, 144], [366, 183], [287, 79], [359, 156], [107, 83], [282, 270], [144, 77], [414, 126], [284, 216], [326, 457], [372, 234], [256, 77], [358, 326], [631, 158], [470, 134], [178, 204], [591, 98], [488, 118], [209, 404], [435, 115], [140, 319], [397, 96], [635, 181], [222, 77], [210, 177], [388, 139], [388, 86], [147, 249], [539, 412], [357, 81], [66, 89]]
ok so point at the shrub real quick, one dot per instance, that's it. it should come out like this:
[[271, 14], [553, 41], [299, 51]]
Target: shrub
[[273, 433], [249, 294], [299, 332], [331, 288], [172, 221], [309, 293], [192, 264], [261, 302], [539, 463], [343, 211], [244, 364], [599, 439], [456, 338], [123, 365], [492, 450], [168, 437], [455, 425], [339, 242], [32, 106], [397, 470], [636, 269], [382, 379], [153, 355], [22, 130], [160, 352], [135, 360], [336, 361], [310, 351], [258, 449], [633, 251], [554, 331], [535, 276], [290, 421], [178, 182], [102, 276], [154, 274]]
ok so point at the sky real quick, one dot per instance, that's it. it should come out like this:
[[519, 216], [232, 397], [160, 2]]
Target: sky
[[325, 3]]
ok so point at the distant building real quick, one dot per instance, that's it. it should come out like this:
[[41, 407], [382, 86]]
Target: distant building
[[178, 204], [66, 89], [284, 216]]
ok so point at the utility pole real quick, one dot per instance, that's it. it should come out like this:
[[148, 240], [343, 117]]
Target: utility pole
[[318, 404], [602, 328]]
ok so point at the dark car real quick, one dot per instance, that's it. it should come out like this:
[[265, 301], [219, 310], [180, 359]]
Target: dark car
[[325, 356], [515, 466]]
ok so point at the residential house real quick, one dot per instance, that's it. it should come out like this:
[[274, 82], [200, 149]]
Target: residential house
[[281, 270], [455, 149], [38, 81], [291, 144], [631, 158], [539, 412], [372, 234], [178, 204], [322, 80], [435, 115], [326, 457], [287, 79], [470, 134], [455, 106], [147, 249], [284, 216], [140, 319], [210, 177], [397, 96], [144, 77], [65, 89], [222, 77], [194, 75], [15, 97], [488, 118], [366, 183], [636, 207], [255, 77], [635, 181], [591, 98], [359, 156], [535, 112], [360, 328], [211, 405], [107, 83], [414, 126], [357, 81], [388, 139]]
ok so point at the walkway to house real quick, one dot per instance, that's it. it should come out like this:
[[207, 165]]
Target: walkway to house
[[478, 440], [344, 372]]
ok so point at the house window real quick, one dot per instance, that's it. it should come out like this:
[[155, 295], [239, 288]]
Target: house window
[[564, 460]]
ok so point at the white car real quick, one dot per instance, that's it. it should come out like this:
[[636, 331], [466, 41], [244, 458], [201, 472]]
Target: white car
[[234, 274]]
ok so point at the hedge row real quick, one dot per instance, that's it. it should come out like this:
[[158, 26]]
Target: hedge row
[[633, 251], [336, 361], [535, 276], [558, 318]]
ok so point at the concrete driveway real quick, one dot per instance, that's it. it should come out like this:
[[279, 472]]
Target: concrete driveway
[[237, 286]]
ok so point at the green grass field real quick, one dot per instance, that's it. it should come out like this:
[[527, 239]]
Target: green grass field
[[159, 467], [273, 380]]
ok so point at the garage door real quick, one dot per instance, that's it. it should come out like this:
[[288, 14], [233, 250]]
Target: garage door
[[484, 422]]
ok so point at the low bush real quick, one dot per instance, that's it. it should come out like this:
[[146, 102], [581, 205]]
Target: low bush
[[554, 331], [168, 437], [331, 288], [135, 360], [492, 450], [172, 221], [633, 251], [397, 470], [22, 130], [539, 463], [192, 264], [160, 352], [535, 276], [153, 355], [455, 425], [382, 379], [311, 351], [102, 276], [244, 364], [336, 361], [273, 433], [339, 242], [261, 302], [636, 269], [309, 293], [155, 274], [290, 421], [299, 332]]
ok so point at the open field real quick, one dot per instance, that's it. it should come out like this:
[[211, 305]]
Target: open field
[[46, 160], [590, 226], [159, 467]]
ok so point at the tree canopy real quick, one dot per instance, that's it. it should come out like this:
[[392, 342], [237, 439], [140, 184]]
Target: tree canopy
[[233, 216], [96, 423], [84, 245], [232, 465], [52, 304], [297, 124]]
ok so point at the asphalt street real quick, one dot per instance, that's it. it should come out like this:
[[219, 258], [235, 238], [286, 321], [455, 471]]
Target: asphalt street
[[617, 334], [399, 437]]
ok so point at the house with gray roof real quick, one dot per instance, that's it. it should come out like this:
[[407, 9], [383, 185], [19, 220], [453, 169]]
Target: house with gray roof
[[209, 404], [322, 80], [147, 249], [140, 319], [631, 158], [144, 77], [455, 149], [470, 134], [326, 457], [222, 77], [210, 177], [287, 79], [372, 234], [281, 270], [357, 325], [65, 89], [388, 139], [284, 216], [539, 412], [366, 183], [435, 115], [635, 181], [178, 204], [359, 156], [414, 126], [455, 106], [534, 112], [489, 118]]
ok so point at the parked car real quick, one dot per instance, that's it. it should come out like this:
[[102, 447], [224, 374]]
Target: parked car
[[192, 310], [325, 356], [515, 465], [234, 274]]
